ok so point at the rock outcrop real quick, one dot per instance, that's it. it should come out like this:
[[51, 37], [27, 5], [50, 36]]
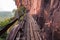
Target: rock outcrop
[[32, 5], [48, 10]]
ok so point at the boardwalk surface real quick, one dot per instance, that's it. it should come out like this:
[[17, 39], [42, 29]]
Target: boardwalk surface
[[31, 31]]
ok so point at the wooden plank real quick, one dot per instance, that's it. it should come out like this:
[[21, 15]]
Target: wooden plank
[[28, 31], [31, 32], [35, 28], [35, 33], [17, 36], [39, 36]]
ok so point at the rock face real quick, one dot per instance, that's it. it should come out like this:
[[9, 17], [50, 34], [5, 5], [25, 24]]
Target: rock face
[[32, 5], [48, 10], [26, 3]]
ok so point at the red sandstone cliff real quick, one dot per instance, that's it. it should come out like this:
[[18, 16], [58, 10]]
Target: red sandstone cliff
[[46, 7], [50, 9], [35, 6]]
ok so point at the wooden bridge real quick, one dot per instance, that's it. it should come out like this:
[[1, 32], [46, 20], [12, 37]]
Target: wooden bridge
[[26, 30]]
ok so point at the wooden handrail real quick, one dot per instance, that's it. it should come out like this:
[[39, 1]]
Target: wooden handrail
[[8, 26]]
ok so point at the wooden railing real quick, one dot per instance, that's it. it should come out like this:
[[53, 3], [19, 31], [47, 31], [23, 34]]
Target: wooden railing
[[9, 25]]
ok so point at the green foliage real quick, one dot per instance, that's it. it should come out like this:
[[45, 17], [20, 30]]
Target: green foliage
[[3, 37], [5, 22], [2, 24], [22, 17], [21, 10]]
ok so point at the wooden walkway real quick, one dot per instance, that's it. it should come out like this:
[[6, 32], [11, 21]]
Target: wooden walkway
[[33, 30], [29, 31]]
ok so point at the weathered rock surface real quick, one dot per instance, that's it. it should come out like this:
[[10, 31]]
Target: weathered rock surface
[[48, 10], [33, 5]]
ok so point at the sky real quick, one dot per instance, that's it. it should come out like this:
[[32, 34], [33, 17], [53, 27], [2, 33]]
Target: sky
[[7, 5]]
